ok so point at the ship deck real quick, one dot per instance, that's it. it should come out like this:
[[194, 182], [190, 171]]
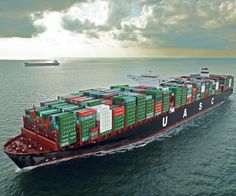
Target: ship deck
[[23, 145]]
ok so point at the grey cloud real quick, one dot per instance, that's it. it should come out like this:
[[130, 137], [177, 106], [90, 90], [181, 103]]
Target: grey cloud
[[15, 20], [177, 24], [92, 34], [118, 10], [77, 25]]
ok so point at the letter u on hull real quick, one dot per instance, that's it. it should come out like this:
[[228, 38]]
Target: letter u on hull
[[165, 121]]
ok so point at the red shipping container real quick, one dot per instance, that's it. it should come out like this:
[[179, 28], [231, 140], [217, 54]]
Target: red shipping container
[[118, 109], [95, 129], [87, 112], [81, 99], [143, 87], [69, 99], [107, 102], [189, 99], [109, 95], [158, 107], [194, 91], [33, 115], [94, 137], [117, 114]]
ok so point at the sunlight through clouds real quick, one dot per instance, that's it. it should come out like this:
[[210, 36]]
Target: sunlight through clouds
[[108, 28]]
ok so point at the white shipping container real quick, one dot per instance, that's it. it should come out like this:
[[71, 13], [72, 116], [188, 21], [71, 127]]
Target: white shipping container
[[105, 120], [203, 88], [230, 82], [100, 108], [189, 86], [217, 85]]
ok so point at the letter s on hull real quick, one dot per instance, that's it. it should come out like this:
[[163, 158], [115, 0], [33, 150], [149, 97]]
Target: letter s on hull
[[200, 106], [212, 100], [164, 121]]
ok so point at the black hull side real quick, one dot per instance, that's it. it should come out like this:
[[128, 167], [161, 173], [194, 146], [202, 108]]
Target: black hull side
[[134, 135]]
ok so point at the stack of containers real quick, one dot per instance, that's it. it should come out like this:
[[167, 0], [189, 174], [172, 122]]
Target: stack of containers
[[104, 118], [137, 90], [69, 107], [42, 115], [92, 102], [207, 84], [199, 87], [86, 120], [231, 82], [76, 94], [30, 114], [118, 117], [157, 95], [226, 82], [189, 93], [107, 102], [176, 91], [121, 87], [93, 133], [54, 121], [108, 95], [79, 100], [57, 104], [184, 95], [140, 108], [47, 102], [216, 85], [211, 90], [149, 107], [203, 89], [130, 107], [166, 99], [194, 92], [158, 102], [67, 130]]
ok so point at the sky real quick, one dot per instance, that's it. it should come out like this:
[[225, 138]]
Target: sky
[[33, 29]]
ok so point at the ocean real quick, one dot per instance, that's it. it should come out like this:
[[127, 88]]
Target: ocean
[[196, 158]]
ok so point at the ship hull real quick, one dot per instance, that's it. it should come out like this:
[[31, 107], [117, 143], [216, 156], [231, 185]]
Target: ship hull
[[134, 135], [40, 64]]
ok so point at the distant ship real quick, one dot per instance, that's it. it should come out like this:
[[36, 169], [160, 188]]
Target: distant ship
[[54, 63]]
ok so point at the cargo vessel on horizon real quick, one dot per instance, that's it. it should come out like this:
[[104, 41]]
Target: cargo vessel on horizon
[[54, 63], [91, 121]]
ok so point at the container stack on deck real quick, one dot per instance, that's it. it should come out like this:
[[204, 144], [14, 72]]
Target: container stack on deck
[[140, 108], [86, 120], [189, 93], [166, 99], [67, 131], [104, 118], [149, 107], [118, 117], [86, 116], [130, 107], [176, 92]]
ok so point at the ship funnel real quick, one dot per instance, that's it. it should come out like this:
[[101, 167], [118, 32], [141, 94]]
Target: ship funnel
[[205, 72]]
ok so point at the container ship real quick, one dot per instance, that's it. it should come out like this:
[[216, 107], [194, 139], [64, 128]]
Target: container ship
[[54, 63], [98, 120]]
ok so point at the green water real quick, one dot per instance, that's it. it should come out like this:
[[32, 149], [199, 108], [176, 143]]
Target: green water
[[197, 158]]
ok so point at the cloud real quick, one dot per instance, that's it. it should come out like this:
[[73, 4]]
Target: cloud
[[167, 25], [16, 16]]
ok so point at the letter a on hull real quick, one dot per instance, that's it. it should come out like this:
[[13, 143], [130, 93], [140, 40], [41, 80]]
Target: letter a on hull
[[185, 113]]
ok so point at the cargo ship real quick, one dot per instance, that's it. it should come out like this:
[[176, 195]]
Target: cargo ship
[[54, 63], [92, 121]]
